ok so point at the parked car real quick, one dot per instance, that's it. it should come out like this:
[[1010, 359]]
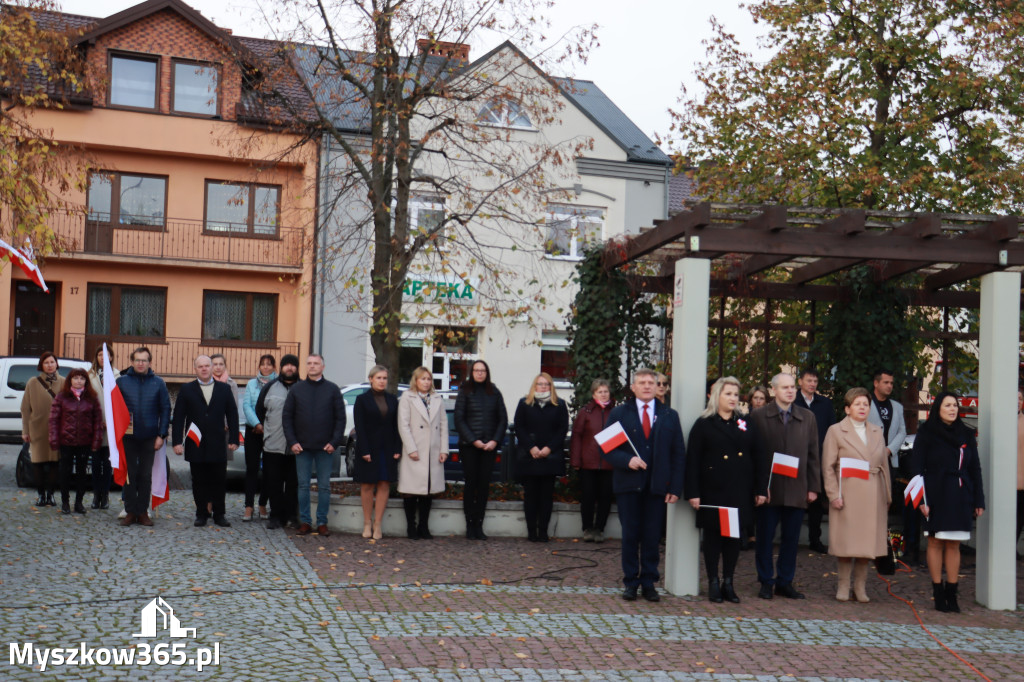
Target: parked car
[[15, 373]]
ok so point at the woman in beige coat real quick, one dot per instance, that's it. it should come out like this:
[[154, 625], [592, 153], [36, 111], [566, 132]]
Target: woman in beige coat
[[35, 425], [423, 427], [858, 510]]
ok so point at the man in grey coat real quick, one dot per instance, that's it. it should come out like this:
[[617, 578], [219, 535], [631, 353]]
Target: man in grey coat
[[788, 430]]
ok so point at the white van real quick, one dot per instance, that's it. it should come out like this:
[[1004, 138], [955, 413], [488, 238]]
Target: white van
[[15, 373]]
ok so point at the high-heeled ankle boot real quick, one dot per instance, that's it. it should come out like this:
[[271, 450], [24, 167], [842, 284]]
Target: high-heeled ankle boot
[[860, 579], [65, 507], [728, 591], [79, 507], [714, 590], [409, 505], [845, 568], [105, 504], [423, 507], [939, 594], [951, 593]]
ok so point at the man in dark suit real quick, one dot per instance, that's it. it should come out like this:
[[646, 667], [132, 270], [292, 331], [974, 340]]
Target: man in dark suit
[[208, 406], [788, 430], [645, 480], [825, 416]]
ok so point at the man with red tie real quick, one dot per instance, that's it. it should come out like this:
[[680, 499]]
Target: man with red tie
[[648, 475]]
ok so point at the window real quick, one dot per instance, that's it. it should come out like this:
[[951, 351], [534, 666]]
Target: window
[[241, 317], [554, 354], [505, 114], [242, 208], [133, 81], [129, 200], [195, 89], [571, 229], [426, 214], [119, 311]]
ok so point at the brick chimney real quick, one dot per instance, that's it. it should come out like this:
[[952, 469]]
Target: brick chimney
[[440, 48]]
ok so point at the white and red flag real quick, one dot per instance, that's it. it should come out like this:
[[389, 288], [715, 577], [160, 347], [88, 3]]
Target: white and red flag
[[914, 492], [25, 261], [117, 419], [785, 465], [194, 434], [729, 521], [851, 467], [612, 437], [241, 437]]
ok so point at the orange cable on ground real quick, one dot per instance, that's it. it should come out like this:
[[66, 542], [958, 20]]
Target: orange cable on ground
[[888, 583]]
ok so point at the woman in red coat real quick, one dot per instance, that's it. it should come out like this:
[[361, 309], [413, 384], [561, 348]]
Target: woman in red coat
[[585, 457], [76, 429]]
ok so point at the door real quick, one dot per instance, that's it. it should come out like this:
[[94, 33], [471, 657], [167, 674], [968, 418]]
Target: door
[[34, 319], [99, 237], [451, 370]]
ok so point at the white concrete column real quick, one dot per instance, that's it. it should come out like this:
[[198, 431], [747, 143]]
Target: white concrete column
[[689, 385], [999, 358]]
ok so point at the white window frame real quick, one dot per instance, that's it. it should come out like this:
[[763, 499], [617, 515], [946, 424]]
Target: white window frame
[[576, 216], [497, 113], [425, 203]]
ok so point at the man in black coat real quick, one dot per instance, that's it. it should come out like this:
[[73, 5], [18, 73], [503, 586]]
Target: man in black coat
[[825, 415], [204, 429], [645, 480]]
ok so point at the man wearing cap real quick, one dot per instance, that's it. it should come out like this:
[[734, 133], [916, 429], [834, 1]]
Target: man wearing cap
[[278, 461]]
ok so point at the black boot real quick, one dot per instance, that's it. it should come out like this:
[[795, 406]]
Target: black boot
[[951, 592], [480, 530], [409, 504], [96, 499], [714, 590], [728, 592], [105, 503], [49, 499], [65, 508], [470, 528], [939, 594], [423, 506], [79, 507], [41, 500]]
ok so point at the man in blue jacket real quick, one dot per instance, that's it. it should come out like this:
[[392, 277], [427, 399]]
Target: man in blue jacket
[[149, 409], [648, 475]]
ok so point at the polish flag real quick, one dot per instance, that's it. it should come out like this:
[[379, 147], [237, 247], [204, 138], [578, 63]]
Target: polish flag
[[160, 492], [729, 521], [785, 465], [241, 437], [117, 419], [850, 467], [612, 437], [914, 491], [194, 434], [25, 262]]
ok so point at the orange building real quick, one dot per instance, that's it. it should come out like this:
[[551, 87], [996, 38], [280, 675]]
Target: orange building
[[197, 224]]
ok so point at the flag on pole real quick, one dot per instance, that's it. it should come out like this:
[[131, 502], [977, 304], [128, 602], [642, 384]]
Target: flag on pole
[[241, 437], [117, 419], [785, 465], [24, 261], [159, 493], [850, 467], [194, 434], [612, 437], [729, 521], [914, 491]]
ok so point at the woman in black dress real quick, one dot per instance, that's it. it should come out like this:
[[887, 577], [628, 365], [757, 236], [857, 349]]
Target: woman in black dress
[[378, 449], [481, 420], [542, 420], [946, 454], [722, 471]]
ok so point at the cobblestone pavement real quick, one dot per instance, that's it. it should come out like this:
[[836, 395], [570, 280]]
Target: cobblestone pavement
[[286, 608]]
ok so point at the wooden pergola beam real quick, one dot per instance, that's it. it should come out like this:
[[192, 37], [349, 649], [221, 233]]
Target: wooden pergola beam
[[666, 232], [847, 224]]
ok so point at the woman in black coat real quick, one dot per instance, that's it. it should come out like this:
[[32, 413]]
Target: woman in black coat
[[541, 422], [481, 420], [378, 449], [946, 454], [722, 471]]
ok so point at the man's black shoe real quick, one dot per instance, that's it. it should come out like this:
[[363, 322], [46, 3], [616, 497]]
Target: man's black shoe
[[651, 594], [221, 521], [629, 594], [818, 547], [788, 590], [765, 592], [273, 524], [199, 522]]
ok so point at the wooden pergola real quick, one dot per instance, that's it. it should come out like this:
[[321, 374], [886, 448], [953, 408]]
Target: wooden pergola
[[718, 250]]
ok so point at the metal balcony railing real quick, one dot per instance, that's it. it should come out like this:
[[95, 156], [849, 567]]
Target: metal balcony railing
[[173, 358], [184, 240]]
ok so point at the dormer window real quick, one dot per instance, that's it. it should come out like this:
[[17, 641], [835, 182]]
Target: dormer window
[[195, 89], [504, 114], [133, 81]]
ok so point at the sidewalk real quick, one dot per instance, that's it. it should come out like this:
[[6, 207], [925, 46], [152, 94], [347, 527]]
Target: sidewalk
[[345, 608]]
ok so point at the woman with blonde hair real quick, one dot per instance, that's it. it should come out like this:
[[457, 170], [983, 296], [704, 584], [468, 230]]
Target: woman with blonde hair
[[378, 448], [541, 422], [722, 471], [423, 427], [859, 500]]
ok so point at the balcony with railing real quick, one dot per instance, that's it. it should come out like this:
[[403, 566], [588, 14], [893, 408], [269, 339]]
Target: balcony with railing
[[173, 358], [185, 242]]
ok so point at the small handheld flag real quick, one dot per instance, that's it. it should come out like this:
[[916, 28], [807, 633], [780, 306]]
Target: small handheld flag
[[194, 434], [612, 437], [729, 521], [850, 467], [785, 465], [241, 438], [117, 419], [914, 492]]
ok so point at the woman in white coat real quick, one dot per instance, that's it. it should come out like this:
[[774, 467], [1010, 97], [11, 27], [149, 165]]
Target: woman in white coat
[[423, 427]]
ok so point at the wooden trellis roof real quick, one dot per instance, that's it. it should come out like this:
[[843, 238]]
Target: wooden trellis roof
[[811, 243]]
